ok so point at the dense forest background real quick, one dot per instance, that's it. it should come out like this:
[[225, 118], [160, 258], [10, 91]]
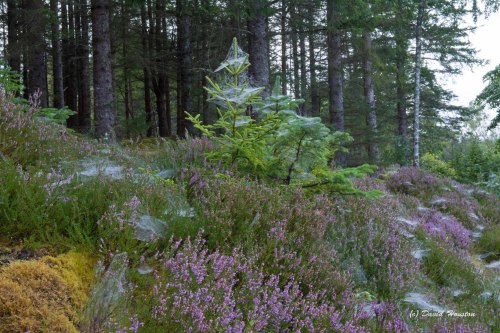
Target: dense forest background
[[134, 68]]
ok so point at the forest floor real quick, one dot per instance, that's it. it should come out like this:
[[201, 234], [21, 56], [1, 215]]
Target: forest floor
[[147, 236]]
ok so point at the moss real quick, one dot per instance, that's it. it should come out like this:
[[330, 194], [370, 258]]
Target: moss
[[76, 270], [44, 295]]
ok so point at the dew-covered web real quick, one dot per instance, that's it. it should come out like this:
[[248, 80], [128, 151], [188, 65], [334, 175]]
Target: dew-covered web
[[236, 58], [233, 78]]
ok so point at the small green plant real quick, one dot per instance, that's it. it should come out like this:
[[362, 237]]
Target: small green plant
[[10, 81], [241, 139], [437, 166], [267, 137], [300, 144], [56, 115]]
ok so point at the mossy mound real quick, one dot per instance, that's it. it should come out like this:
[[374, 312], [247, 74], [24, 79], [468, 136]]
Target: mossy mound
[[44, 295]]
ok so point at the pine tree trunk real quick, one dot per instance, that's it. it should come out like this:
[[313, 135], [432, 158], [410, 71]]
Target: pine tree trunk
[[129, 114], [295, 52], [146, 71], [205, 105], [401, 94], [235, 19], [303, 73], [335, 89], [13, 47], [258, 45], [401, 100], [69, 61], [103, 77], [284, 58], [160, 80], [315, 101], [35, 22], [418, 60], [166, 77], [369, 92], [57, 57], [84, 101], [185, 80]]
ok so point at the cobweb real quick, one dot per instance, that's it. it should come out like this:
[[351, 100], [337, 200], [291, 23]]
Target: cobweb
[[235, 58], [236, 89]]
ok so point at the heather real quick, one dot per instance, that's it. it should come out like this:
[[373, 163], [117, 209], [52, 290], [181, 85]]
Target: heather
[[158, 236]]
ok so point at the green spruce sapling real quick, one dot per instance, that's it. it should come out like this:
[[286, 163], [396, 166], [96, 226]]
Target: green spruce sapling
[[241, 140], [277, 143]]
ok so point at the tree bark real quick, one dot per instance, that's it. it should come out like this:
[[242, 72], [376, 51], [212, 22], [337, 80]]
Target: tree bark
[[303, 72], [418, 60], [103, 86], [335, 89], [69, 61], [160, 80], [315, 100], [146, 70], [13, 48], [84, 109], [185, 79], [129, 114], [295, 52], [57, 57], [258, 45], [369, 92], [36, 64], [284, 57], [205, 105], [401, 93]]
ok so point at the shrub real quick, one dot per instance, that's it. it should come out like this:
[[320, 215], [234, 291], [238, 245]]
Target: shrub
[[437, 166], [489, 206], [413, 181], [445, 228], [275, 143], [366, 231], [199, 291], [32, 142], [461, 206], [489, 242], [446, 268]]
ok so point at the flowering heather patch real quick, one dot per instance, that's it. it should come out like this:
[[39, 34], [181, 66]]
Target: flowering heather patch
[[30, 141], [414, 181], [199, 291], [446, 228], [237, 210], [369, 183], [388, 317], [489, 206], [369, 229], [465, 209]]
